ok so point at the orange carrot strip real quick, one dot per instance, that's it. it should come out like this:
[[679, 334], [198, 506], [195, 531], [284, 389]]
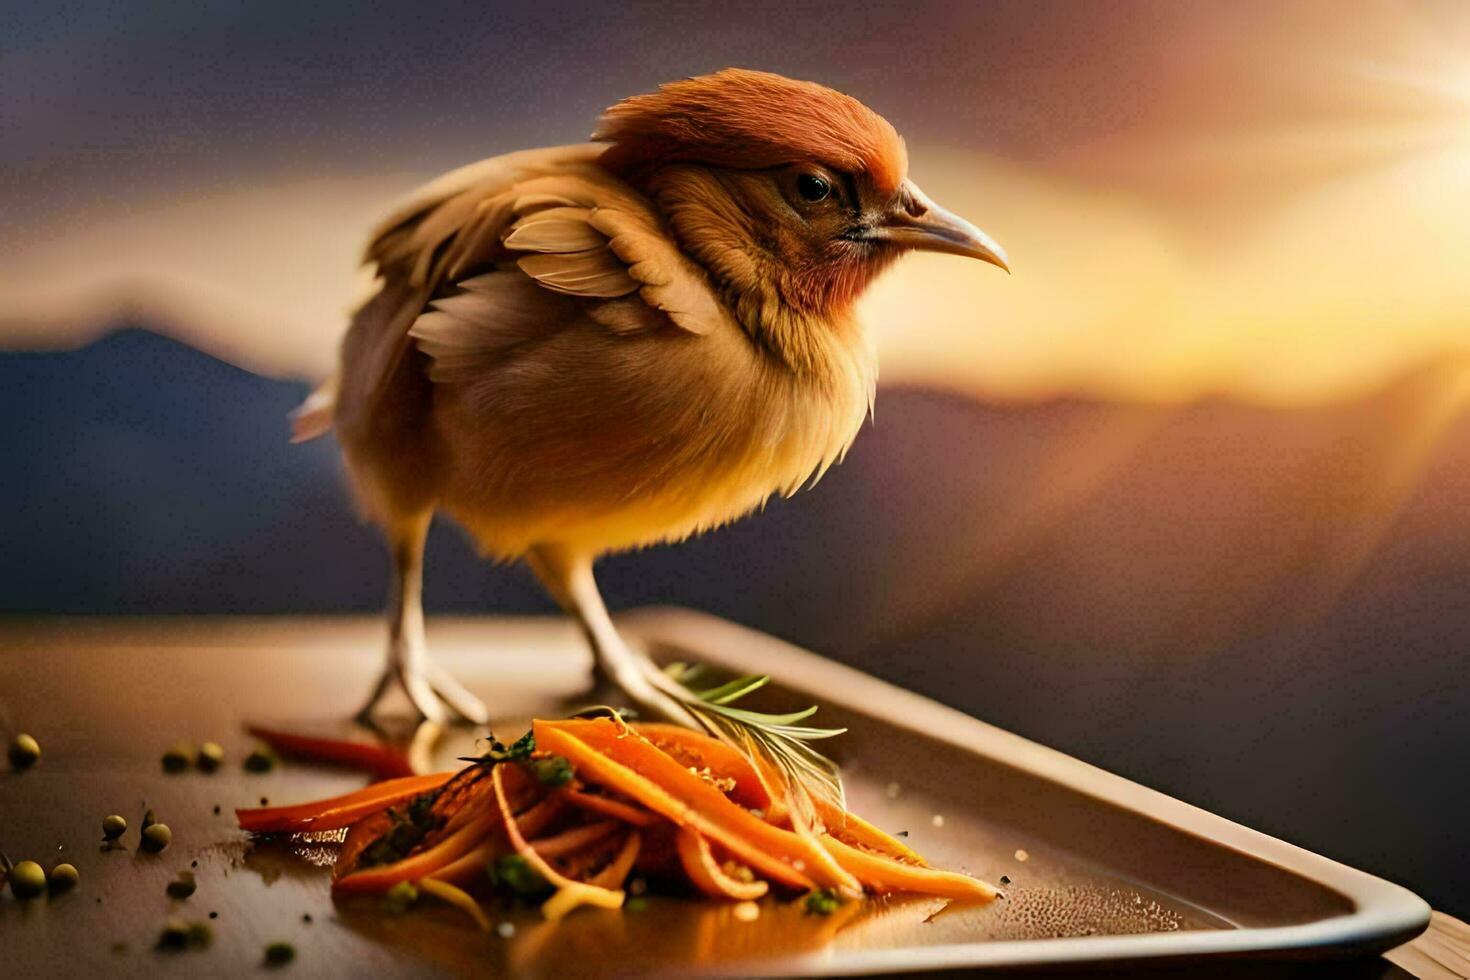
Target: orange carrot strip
[[853, 829], [338, 811], [569, 894], [608, 807], [706, 873], [466, 869], [446, 892], [724, 760], [617, 870], [635, 767], [422, 864], [380, 760], [883, 874], [570, 840]]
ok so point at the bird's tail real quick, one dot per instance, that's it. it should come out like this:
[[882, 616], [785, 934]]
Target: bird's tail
[[314, 416]]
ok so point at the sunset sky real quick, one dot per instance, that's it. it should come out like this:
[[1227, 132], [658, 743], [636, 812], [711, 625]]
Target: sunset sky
[[1269, 201]]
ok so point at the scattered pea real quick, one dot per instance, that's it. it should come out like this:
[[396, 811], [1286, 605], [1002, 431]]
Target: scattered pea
[[210, 757], [156, 837], [183, 886], [637, 903], [63, 878], [25, 752], [279, 954], [113, 827], [175, 935], [27, 880], [200, 935], [260, 759], [179, 757]]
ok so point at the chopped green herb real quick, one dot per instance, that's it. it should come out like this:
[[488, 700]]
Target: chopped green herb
[[552, 770], [400, 898], [181, 887], [260, 759], [175, 935], [408, 830], [823, 901], [515, 874], [279, 954], [636, 904]]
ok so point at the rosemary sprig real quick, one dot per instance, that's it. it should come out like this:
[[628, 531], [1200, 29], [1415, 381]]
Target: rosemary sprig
[[777, 738]]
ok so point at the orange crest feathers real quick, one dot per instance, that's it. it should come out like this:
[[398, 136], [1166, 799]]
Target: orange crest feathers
[[752, 119]]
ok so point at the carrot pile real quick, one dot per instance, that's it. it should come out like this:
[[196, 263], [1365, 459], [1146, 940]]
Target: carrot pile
[[567, 814]]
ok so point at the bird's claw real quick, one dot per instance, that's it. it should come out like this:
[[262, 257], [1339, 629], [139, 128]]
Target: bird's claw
[[434, 695]]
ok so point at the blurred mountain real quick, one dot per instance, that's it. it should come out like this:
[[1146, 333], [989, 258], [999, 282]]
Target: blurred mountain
[[1263, 611]]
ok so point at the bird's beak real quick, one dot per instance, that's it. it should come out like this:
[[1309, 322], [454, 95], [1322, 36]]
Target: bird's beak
[[918, 223]]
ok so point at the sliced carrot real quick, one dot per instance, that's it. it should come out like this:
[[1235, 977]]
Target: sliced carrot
[[571, 840], [608, 807], [424, 863], [471, 866], [461, 900], [569, 894], [632, 765], [338, 811], [727, 762], [852, 829], [724, 761], [883, 874], [707, 875], [383, 761], [617, 870]]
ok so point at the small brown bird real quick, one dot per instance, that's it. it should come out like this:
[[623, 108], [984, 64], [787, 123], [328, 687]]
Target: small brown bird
[[591, 348]]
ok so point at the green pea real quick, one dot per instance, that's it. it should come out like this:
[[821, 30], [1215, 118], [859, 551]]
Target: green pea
[[183, 886], [260, 759], [27, 880], [156, 837], [175, 935], [211, 755], [63, 878], [25, 752], [179, 757], [113, 827], [279, 954]]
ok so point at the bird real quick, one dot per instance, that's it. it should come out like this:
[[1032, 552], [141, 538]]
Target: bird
[[585, 349]]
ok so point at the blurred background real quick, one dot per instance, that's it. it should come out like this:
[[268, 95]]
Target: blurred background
[[1187, 496]]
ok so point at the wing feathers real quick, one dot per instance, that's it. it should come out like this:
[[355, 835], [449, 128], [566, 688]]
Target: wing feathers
[[515, 248]]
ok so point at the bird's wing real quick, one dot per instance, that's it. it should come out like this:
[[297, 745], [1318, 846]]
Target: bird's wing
[[491, 254], [559, 247]]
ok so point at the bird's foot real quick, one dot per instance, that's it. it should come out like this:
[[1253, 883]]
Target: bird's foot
[[434, 694], [639, 681]]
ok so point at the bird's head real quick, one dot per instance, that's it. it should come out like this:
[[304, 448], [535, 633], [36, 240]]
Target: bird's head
[[793, 196]]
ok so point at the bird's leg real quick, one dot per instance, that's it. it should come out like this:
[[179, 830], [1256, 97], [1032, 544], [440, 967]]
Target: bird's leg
[[428, 686], [568, 577]]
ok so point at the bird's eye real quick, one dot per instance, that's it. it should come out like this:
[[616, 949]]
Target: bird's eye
[[812, 188]]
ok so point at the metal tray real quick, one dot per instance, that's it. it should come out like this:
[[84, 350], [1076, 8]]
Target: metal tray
[[1114, 873], [1102, 872]]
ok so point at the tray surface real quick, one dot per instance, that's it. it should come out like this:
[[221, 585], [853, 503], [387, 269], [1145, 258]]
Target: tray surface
[[1099, 870]]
